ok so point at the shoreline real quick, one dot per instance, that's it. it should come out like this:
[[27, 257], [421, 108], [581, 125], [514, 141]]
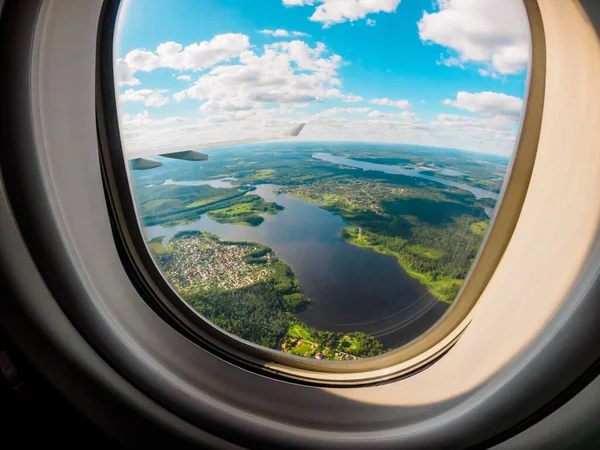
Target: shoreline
[[422, 278]]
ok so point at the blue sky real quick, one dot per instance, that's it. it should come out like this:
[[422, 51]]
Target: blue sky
[[449, 74]]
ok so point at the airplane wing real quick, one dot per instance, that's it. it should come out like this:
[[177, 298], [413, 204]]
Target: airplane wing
[[142, 160]]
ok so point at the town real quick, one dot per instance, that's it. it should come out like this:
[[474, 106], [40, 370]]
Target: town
[[350, 194], [203, 261]]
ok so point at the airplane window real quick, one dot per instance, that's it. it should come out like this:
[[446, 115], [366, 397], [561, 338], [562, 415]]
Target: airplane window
[[317, 177]]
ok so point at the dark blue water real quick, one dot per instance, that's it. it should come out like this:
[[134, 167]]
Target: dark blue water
[[351, 288]]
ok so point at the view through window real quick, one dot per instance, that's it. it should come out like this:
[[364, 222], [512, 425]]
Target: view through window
[[354, 237]]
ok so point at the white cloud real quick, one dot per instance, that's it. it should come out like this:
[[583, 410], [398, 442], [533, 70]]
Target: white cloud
[[275, 33], [403, 104], [487, 103], [233, 104], [491, 32], [493, 132], [150, 97], [405, 115], [172, 55], [143, 119], [184, 77], [179, 96], [351, 98], [286, 72], [371, 22], [283, 33], [124, 74], [487, 73], [331, 12]]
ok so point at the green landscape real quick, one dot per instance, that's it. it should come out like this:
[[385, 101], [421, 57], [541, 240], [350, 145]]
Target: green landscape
[[244, 289], [432, 230]]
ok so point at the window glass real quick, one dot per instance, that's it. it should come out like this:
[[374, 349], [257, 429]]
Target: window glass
[[352, 236]]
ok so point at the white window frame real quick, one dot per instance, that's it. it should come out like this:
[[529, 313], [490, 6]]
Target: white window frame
[[536, 313]]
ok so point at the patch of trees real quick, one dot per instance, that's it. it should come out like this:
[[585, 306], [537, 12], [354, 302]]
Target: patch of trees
[[329, 339], [259, 313], [451, 291], [254, 313], [283, 280], [427, 211], [355, 343], [457, 243], [365, 346], [191, 234], [295, 302]]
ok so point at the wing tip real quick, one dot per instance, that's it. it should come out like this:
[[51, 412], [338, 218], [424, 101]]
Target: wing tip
[[144, 163], [295, 130]]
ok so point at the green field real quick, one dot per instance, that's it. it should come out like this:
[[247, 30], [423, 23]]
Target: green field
[[299, 330], [155, 245], [300, 340], [419, 250], [479, 228]]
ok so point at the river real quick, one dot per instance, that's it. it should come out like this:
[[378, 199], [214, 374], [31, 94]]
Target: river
[[351, 288], [398, 170]]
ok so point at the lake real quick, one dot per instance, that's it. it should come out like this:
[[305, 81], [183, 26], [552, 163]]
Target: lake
[[351, 288]]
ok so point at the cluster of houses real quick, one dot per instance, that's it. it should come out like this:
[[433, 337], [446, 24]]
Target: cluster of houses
[[206, 262], [295, 342]]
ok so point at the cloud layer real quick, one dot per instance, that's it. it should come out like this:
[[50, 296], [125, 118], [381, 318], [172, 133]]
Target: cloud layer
[[403, 104]]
